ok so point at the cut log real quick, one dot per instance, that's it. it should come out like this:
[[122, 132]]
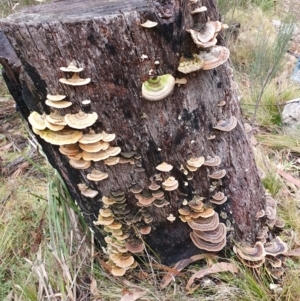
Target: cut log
[[118, 54]]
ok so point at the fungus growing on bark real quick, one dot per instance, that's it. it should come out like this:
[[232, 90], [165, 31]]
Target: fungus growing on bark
[[149, 24], [69, 149], [94, 147], [136, 188], [111, 161], [165, 167], [63, 137], [217, 56], [276, 247], [196, 204], [98, 156], [219, 198], [205, 224], [187, 65], [37, 120], [113, 151], [180, 81], [56, 118], [260, 214], [87, 192], [219, 174], [80, 164], [108, 137], [214, 236], [71, 68], [145, 230], [75, 80], [158, 88], [153, 186], [58, 104], [81, 120], [56, 97], [134, 245], [215, 161], [209, 246], [97, 175], [91, 137], [226, 125], [53, 127], [199, 10], [124, 260], [171, 218], [256, 253], [170, 184], [194, 163], [196, 36]]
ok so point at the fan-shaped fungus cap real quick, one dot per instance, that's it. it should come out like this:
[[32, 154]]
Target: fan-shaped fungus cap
[[260, 214], [171, 218], [75, 80], [226, 125], [215, 161], [69, 149], [214, 236], [108, 137], [181, 81], [53, 127], [145, 230], [196, 162], [276, 247], [58, 104], [153, 186], [255, 253], [134, 245], [149, 24], [56, 118], [219, 202], [199, 10], [80, 164], [158, 87], [104, 220], [205, 224], [113, 151], [164, 167], [94, 147], [71, 68], [37, 120], [136, 188], [187, 65], [111, 161], [219, 174], [117, 271], [145, 198], [97, 175], [170, 184], [196, 36], [63, 137], [196, 205], [158, 194], [208, 212], [217, 56], [124, 260], [218, 196], [105, 212], [209, 246], [91, 137], [56, 97], [81, 120], [89, 193]]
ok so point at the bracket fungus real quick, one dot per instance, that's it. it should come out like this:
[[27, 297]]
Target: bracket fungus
[[205, 224], [94, 147], [218, 198], [194, 163], [69, 149], [180, 81], [199, 10], [217, 56], [165, 167], [208, 36], [56, 97], [171, 218], [158, 88], [81, 120], [170, 184], [58, 104], [56, 118], [187, 65], [214, 236], [215, 161], [71, 68], [209, 246], [75, 80], [226, 125], [37, 120], [91, 137], [219, 174], [97, 175], [276, 247], [80, 164], [149, 24], [63, 137], [52, 126], [256, 253], [87, 192]]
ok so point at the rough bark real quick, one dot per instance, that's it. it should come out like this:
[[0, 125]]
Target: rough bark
[[106, 38]]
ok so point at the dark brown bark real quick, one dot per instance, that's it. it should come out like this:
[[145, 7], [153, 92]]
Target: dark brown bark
[[108, 41]]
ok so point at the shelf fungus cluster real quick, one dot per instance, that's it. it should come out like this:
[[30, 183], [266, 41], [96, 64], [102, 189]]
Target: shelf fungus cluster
[[75, 80], [124, 230], [208, 233], [268, 254]]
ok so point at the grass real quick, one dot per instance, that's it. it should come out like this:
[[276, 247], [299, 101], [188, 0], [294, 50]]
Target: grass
[[41, 231]]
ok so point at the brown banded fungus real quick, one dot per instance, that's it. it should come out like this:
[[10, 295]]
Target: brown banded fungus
[[53, 127], [97, 175], [180, 81], [215, 161], [170, 184], [217, 56], [226, 125], [134, 245], [71, 68], [197, 39], [187, 65], [209, 246], [214, 236], [69, 149], [276, 247], [199, 10], [194, 163], [56, 118], [75, 80], [219, 174], [91, 137], [256, 253], [158, 88], [87, 192], [81, 120], [80, 164], [205, 224]]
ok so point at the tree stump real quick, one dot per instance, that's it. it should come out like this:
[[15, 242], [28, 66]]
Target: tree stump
[[118, 54]]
